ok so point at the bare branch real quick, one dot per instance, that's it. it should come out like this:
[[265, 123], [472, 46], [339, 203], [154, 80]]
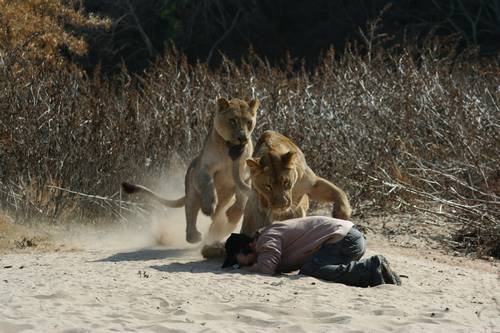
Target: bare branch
[[224, 35], [151, 49]]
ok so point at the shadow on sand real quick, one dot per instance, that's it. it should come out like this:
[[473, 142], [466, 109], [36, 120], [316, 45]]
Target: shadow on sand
[[149, 254], [194, 266], [202, 266], [214, 266]]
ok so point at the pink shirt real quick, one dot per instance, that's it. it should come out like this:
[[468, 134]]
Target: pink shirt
[[287, 245]]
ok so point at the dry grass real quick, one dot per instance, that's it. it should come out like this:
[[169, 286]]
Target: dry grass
[[400, 130]]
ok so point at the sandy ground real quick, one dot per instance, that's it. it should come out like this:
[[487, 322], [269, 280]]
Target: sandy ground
[[107, 280]]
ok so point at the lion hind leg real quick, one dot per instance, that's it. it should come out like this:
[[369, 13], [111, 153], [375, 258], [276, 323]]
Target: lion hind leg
[[235, 211], [214, 250], [218, 229], [192, 208], [325, 191], [214, 247]]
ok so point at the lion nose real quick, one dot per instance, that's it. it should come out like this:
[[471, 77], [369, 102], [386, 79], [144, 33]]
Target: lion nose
[[243, 139], [282, 202]]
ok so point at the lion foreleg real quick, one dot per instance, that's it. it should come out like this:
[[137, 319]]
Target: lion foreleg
[[206, 188], [325, 191], [254, 218]]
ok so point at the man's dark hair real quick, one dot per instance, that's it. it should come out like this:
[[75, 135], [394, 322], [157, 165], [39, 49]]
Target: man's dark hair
[[235, 244]]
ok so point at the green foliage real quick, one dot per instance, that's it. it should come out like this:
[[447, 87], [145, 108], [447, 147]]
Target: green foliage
[[171, 15]]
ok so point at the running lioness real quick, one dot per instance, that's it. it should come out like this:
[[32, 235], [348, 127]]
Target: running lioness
[[209, 182]]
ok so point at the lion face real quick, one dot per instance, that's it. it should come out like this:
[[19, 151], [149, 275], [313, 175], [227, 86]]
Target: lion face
[[235, 119], [273, 177]]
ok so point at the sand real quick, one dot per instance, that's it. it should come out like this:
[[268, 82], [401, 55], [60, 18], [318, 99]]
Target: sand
[[119, 281]]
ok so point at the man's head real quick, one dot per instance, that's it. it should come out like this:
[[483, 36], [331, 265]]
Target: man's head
[[240, 249]]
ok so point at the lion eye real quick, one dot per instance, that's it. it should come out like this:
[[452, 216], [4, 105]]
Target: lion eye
[[268, 187], [232, 122], [287, 184]]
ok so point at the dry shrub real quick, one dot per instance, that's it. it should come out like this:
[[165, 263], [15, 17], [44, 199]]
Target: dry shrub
[[402, 129], [4, 222], [36, 31]]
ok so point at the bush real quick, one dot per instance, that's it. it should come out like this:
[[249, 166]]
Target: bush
[[406, 130], [37, 30]]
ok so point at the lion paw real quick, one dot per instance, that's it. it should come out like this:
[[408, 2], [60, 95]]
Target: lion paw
[[193, 237], [215, 250], [343, 213], [208, 206]]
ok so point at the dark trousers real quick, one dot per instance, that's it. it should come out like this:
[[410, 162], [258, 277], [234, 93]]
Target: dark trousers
[[340, 262]]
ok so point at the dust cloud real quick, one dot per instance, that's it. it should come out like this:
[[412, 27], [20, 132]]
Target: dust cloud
[[159, 227]]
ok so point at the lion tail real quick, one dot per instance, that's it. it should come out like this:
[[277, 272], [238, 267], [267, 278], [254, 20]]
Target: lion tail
[[133, 188]]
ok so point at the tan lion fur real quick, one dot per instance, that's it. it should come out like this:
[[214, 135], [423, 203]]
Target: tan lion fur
[[209, 183], [283, 183]]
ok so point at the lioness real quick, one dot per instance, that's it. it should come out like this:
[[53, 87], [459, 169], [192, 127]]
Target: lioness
[[282, 184], [209, 182]]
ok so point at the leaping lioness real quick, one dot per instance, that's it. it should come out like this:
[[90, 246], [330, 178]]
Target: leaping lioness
[[209, 183]]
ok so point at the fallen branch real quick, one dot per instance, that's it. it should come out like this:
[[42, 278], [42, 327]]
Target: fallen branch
[[92, 196]]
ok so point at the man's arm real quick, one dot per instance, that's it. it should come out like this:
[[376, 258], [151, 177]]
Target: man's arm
[[268, 255]]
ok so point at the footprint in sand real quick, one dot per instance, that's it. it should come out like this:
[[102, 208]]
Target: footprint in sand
[[341, 320], [56, 295]]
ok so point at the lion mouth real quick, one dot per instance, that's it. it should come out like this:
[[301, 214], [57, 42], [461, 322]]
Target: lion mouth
[[240, 141], [282, 205], [281, 210]]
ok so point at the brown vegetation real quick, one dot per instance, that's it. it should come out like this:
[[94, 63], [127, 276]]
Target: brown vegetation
[[36, 31]]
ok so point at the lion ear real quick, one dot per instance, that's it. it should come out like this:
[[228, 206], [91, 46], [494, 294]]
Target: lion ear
[[254, 105], [253, 164], [288, 159], [222, 104]]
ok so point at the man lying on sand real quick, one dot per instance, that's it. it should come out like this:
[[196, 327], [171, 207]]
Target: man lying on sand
[[320, 246]]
